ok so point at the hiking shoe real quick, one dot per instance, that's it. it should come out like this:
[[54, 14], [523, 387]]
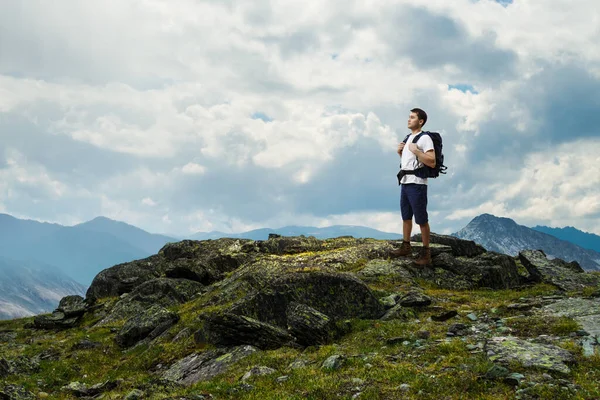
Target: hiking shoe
[[404, 250], [424, 256]]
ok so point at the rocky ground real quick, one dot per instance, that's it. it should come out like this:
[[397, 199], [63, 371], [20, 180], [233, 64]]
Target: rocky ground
[[298, 317]]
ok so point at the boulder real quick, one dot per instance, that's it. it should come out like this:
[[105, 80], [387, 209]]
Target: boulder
[[165, 292], [204, 366], [566, 276], [72, 306], [338, 295], [16, 392], [505, 350], [226, 329], [147, 325], [490, 269], [309, 326], [57, 320], [460, 247]]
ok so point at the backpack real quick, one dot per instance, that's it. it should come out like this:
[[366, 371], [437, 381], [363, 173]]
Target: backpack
[[426, 171]]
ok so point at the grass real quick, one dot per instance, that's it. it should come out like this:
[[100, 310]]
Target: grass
[[437, 368]]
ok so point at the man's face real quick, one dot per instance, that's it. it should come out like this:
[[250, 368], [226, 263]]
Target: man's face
[[413, 121]]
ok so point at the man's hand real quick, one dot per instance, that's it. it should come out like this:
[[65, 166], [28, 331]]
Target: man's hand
[[413, 147], [401, 147]]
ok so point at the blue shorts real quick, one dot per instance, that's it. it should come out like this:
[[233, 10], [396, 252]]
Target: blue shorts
[[413, 201]]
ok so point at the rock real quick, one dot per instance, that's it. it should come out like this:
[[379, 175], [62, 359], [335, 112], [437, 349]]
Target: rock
[[557, 272], [72, 306], [309, 326], [458, 329], [496, 372], [7, 336], [21, 365], [395, 340], [165, 292], [206, 365], [16, 392], [134, 395], [423, 334], [588, 344], [389, 301], [232, 329], [85, 344], [297, 364], [585, 311], [514, 379], [444, 316], [147, 325], [258, 371], [490, 270], [399, 312], [543, 356], [405, 387], [175, 260], [182, 335], [333, 362], [396, 269], [79, 389], [415, 299], [282, 378], [472, 317], [57, 320], [460, 247], [338, 295]]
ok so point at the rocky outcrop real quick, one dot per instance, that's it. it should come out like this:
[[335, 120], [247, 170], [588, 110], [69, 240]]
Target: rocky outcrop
[[226, 329], [165, 292], [68, 313], [566, 276], [147, 325], [460, 247], [198, 367], [505, 350]]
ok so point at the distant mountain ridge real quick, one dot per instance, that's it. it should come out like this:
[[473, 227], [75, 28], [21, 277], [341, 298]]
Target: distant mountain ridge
[[504, 235], [571, 234]]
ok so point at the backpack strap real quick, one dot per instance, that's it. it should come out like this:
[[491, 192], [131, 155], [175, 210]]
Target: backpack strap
[[406, 138]]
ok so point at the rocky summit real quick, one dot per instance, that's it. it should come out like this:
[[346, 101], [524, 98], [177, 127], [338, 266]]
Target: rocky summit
[[300, 317]]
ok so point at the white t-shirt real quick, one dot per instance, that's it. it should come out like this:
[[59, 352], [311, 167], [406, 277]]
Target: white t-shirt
[[410, 161]]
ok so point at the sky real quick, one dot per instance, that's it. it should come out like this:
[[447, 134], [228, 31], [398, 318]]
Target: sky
[[182, 116]]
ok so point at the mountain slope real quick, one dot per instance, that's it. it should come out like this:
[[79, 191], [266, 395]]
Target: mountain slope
[[30, 288], [570, 234], [136, 237], [504, 235], [321, 233]]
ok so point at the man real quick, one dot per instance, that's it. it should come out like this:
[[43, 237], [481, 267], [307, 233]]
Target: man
[[413, 197]]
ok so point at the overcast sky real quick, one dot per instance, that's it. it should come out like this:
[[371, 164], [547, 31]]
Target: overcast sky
[[181, 116]]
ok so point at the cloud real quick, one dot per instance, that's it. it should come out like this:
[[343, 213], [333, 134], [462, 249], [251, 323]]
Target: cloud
[[232, 116]]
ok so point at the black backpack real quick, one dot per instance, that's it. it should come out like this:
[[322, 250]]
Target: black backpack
[[426, 171]]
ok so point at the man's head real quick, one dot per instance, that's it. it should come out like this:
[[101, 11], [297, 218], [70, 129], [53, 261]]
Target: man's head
[[417, 118]]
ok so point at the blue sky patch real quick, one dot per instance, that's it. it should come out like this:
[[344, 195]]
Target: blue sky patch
[[263, 116], [463, 87]]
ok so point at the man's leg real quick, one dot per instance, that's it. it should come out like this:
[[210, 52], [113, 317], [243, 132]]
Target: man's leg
[[425, 234], [407, 229], [407, 215], [422, 219]]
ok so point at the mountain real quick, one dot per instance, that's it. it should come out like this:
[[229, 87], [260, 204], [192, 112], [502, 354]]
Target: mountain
[[79, 251], [28, 288], [320, 233], [504, 235], [570, 234], [134, 236]]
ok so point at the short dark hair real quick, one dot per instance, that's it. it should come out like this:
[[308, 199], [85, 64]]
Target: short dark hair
[[421, 114]]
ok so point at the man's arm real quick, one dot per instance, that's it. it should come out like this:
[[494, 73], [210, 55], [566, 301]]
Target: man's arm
[[427, 158]]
